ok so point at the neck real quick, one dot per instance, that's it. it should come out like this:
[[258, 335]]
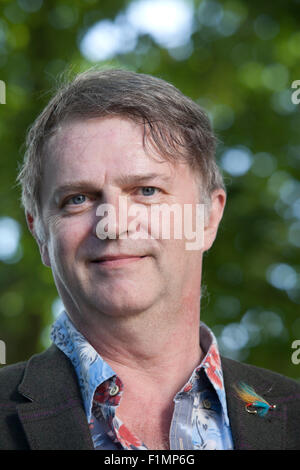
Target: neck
[[159, 346]]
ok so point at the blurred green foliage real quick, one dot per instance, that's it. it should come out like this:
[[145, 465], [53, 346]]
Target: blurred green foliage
[[240, 66]]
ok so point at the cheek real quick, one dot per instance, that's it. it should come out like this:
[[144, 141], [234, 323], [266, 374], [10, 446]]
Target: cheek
[[65, 237], [184, 222], [178, 260], [174, 255]]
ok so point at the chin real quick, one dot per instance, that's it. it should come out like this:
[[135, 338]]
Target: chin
[[124, 304], [122, 309]]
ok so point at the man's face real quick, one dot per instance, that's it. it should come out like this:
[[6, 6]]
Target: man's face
[[93, 162]]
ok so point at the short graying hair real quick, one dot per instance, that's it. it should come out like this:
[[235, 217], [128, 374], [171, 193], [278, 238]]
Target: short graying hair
[[174, 124]]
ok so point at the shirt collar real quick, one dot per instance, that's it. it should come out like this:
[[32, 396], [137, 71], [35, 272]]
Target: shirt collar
[[92, 370], [211, 363]]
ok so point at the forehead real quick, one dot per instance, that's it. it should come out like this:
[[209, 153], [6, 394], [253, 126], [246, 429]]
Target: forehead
[[114, 141], [103, 149]]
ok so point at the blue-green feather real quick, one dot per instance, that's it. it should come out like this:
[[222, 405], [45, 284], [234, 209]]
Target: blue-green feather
[[261, 407], [249, 396]]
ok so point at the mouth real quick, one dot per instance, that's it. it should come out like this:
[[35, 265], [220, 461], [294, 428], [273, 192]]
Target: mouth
[[116, 261]]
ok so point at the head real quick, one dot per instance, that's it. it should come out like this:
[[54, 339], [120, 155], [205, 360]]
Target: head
[[100, 126]]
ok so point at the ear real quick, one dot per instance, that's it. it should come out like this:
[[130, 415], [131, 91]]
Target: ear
[[31, 224], [218, 200]]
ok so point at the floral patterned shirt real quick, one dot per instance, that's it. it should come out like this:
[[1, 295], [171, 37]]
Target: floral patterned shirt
[[200, 420]]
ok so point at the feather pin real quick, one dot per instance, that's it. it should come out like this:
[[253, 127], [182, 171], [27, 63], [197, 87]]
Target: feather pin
[[255, 404]]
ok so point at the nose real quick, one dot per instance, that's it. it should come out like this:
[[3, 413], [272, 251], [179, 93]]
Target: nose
[[111, 216]]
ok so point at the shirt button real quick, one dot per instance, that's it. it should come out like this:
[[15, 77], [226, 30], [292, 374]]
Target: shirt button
[[113, 390], [206, 404]]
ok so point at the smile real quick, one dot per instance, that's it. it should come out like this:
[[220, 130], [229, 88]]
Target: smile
[[117, 262]]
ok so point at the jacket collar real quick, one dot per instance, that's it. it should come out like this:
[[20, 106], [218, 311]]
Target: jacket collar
[[53, 418]]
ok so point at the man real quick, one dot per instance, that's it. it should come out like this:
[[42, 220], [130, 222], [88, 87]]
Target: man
[[130, 366]]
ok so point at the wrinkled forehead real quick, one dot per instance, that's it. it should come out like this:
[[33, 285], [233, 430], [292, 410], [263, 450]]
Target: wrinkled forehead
[[106, 149], [109, 137], [114, 141]]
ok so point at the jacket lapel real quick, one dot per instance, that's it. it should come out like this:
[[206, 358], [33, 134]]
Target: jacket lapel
[[53, 418], [250, 431]]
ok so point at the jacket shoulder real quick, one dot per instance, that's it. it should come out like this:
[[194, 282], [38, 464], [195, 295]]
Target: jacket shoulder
[[11, 434], [47, 382], [236, 371], [279, 430], [10, 377]]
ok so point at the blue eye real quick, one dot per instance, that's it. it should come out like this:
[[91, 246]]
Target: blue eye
[[79, 199], [148, 190]]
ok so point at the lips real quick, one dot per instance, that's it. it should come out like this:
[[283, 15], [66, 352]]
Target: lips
[[115, 258], [115, 261]]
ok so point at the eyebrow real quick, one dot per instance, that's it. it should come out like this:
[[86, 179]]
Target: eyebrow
[[123, 180], [141, 178], [74, 186]]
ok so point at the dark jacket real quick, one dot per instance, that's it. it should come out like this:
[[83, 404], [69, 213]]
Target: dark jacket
[[41, 406]]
